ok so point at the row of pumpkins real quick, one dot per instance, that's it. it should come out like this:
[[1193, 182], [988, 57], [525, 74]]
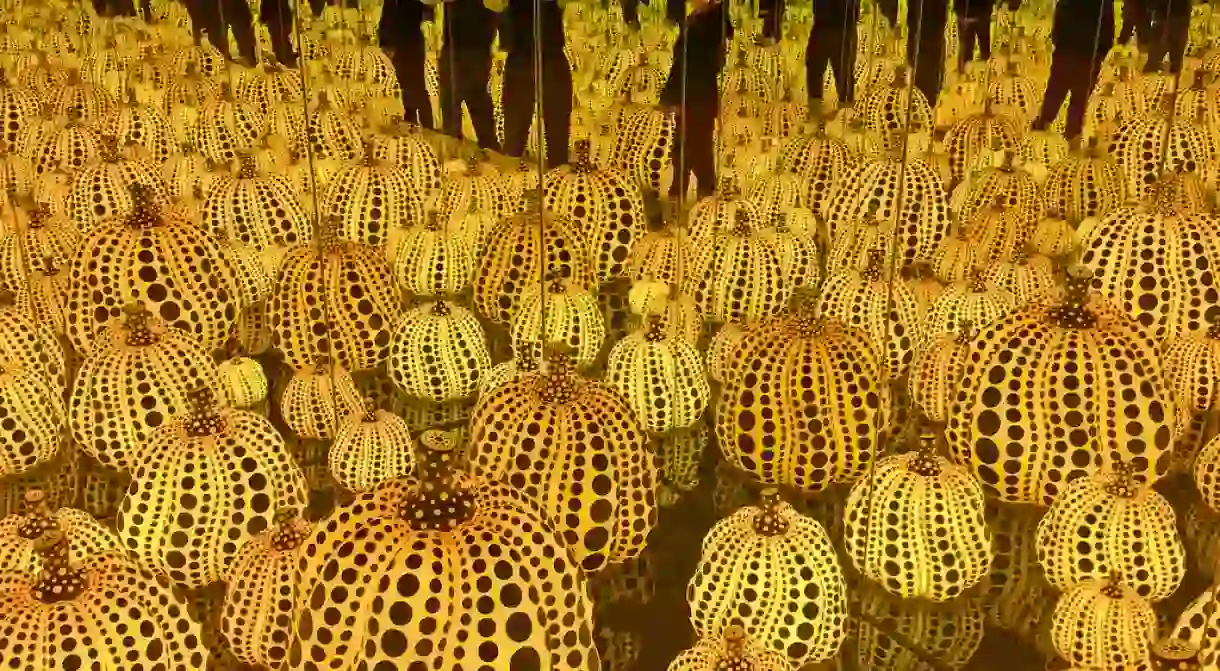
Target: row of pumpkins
[[176, 232]]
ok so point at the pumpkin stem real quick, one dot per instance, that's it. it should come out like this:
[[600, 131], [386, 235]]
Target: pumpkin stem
[[290, 530], [977, 284], [741, 223], [965, 332], [1073, 312], [49, 266], [440, 309], [58, 581], [136, 320], [432, 223], [925, 462], [39, 215], [441, 502], [144, 210], [734, 645], [370, 410], [872, 269], [727, 188], [203, 418], [583, 148], [38, 519], [769, 522], [1122, 483], [656, 329], [781, 222], [557, 384], [247, 168], [1213, 331], [1114, 585]]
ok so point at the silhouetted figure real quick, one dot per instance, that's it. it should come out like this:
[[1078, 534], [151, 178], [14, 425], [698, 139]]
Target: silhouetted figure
[[973, 29], [832, 42], [521, 86], [1169, 33], [675, 10], [402, 38], [693, 91], [1082, 35], [926, 21], [220, 16], [123, 8], [278, 16], [465, 69]]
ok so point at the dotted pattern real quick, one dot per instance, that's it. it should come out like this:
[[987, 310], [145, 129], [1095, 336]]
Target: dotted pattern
[[316, 398], [256, 620], [519, 253], [137, 378], [1156, 265], [1207, 474], [1084, 186], [30, 345], [143, 126], [923, 284], [681, 454], [560, 312], [430, 261], [477, 187], [974, 300], [1106, 523], [1192, 372], [575, 446], [784, 119], [368, 199], [1025, 276], [1058, 389], [735, 275], [728, 654], [56, 144], [173, 268], [286, 124], [331, 133], [890, 110], [680, 316], [85, 536], [915, 527], [862, 208], [719, 356], [976, 134], [371, 448], [660, 376], [20, 110], [642, 140], [227, 127], [270, 86], [411, 152], [772, 572], [1016, 94], [888, 312], [59, 481], [936, 372], [720, 212], [1103, 624], [1199, 625], [245, 382], [1138, 145], [100, 191], [1053, 237], [258, 209], [188, 173], [658, 254], [338, 301], [775, 194], [122, 618], [437, 353], [604, 204], [501, 373], [949, 632], [500, 580], [77, 96], [819, 160], [802, 402], [1042, 149], [1011, 193], [208, 482], [1013, 594]]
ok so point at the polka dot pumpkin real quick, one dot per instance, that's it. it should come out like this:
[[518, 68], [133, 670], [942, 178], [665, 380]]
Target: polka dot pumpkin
[[210, 480], [137, 378], [429, 261], [783, 425], [101, 191], [773, 573], [949, 632], [439, 573], [1107, 522], [733, 651], [28, 343], [661, 377], [371, 447], [176, 270], [915, 526], [256, 623], [122, 617], [1103, 624], [936, 372], [575, 446], [1084, 185], [559, 312], [226, 126], [1061, 388], [368, 199], [317, 397], [735, 275], [19, 534], [437, 353]]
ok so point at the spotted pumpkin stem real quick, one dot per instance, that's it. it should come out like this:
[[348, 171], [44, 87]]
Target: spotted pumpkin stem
[[769, 521], [900, 77], [926, 461], [442, 501], [144, 210], [557, 384], [1114, 585], [1122, 481], [203, 418], [440, 309], [656, 329], [58, 581], [38, 519], [741, 223], [872, 269], [1073, 311], [978, 285], [727, 187], [734, 646], [1213, 331], [583, 150], [40, 215], [290, 530], [965, 332], [531, 201], [247, 166], [781, 222], [137, 320]]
